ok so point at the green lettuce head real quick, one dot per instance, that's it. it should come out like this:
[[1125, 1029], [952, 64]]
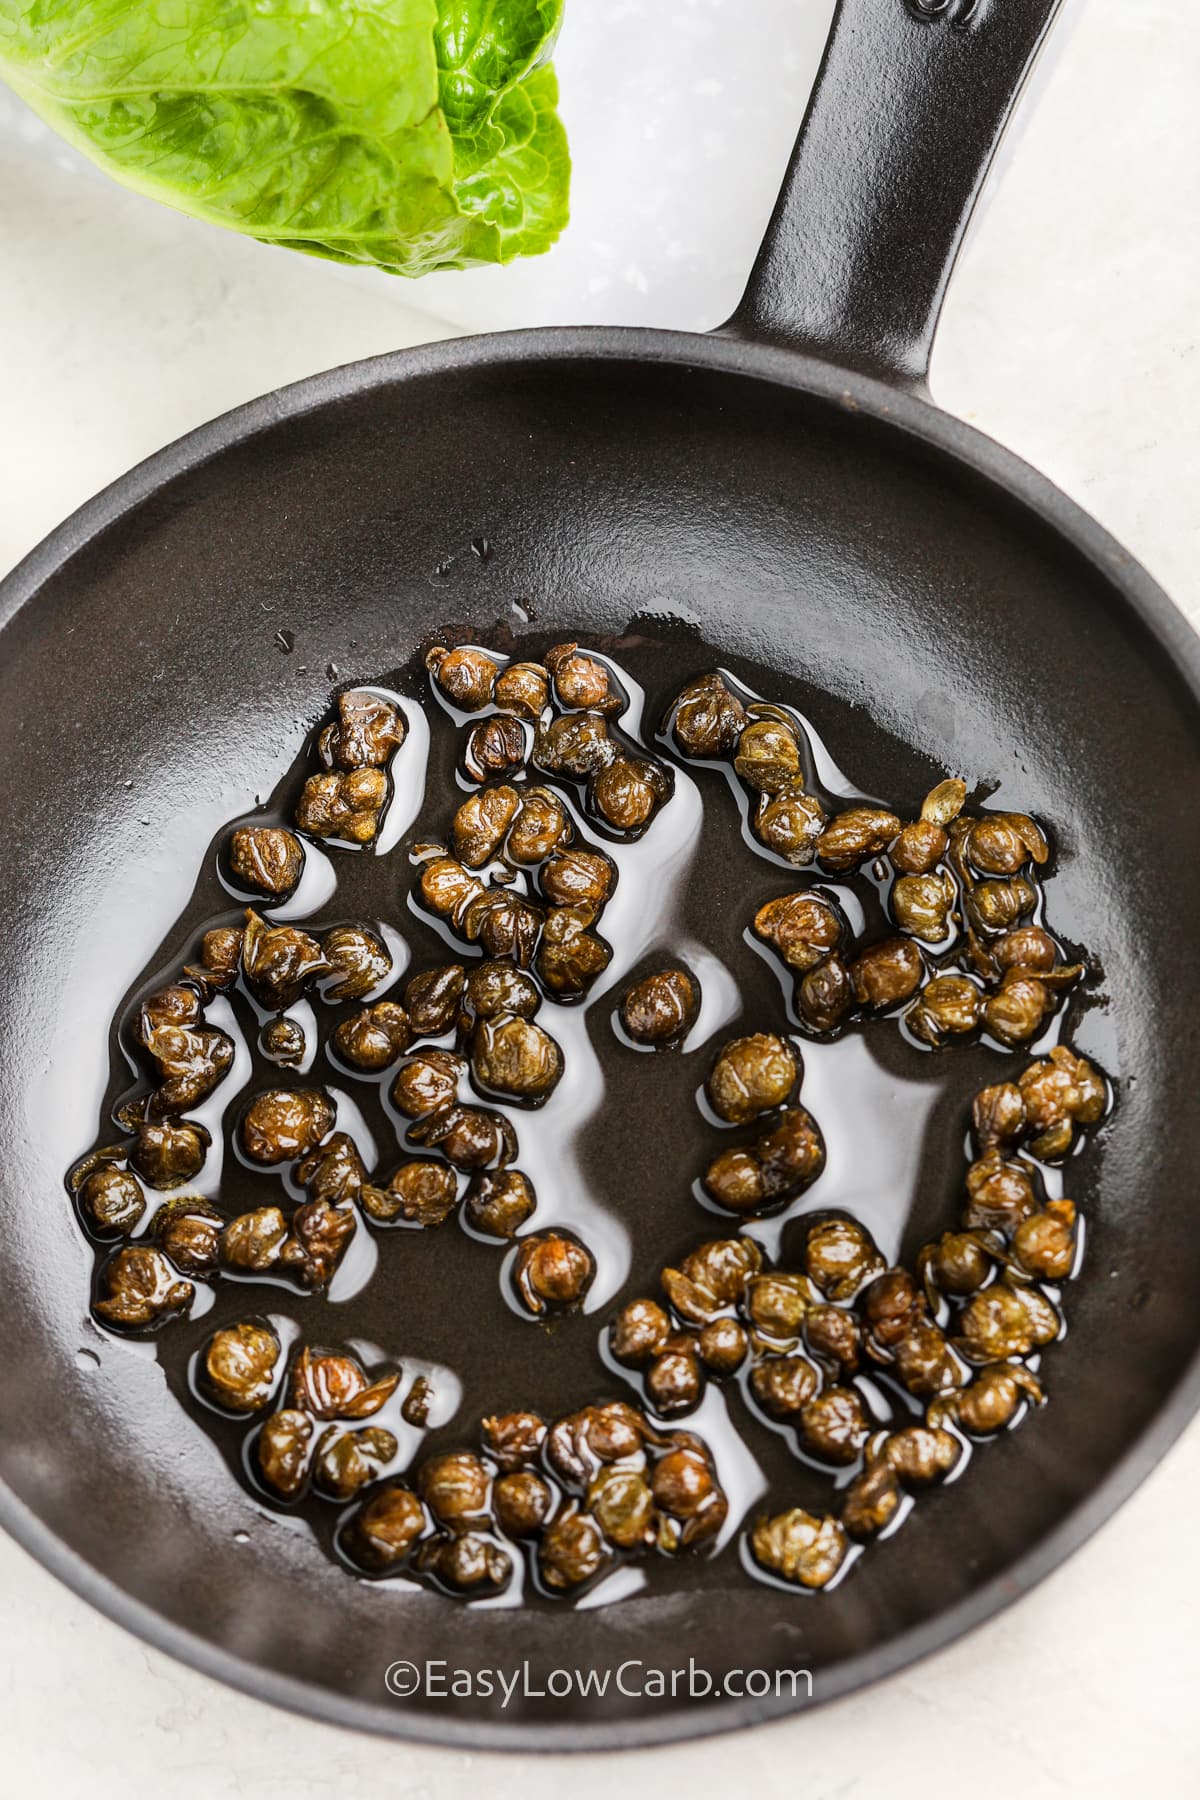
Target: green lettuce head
[[408, 135]]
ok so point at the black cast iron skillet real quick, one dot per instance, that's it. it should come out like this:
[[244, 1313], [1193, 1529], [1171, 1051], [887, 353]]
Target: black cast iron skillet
[[787, 485]]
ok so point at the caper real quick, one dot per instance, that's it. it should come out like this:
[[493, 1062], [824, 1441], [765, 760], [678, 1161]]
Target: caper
[[469, 1137], [366, 731], [318, 1240], [576, 877], [282, 1040], [113, 1200], [481, 822], [522, 1502], [887, 973], [997, 905], [840, 1257], [343, 804], [332, 1384], [572, 1550], [570, 957], [279, 961], [251, 1243], [447, 889], [891, 1305], [768, 755], [503, 924], [1000, 1193], [467, 677], [465, 1562], [721, 1267], [359, 960], [280, 1124], [924, 1362], [265, 859], [872, 1498], [775, 1168], [1016, 1013], [1005, 1321], [455, 1487], [498, 986], [239, 1366], [1044, 1244], [948, 1006], [834, 1335], [499, 1204], [540, 826], [420, 1193], [998, 1115], [333, 1172], [220, 959], [427, 1081], [674, 1381], [639, 1331], [825, 995], [790, 822], [167, 1153], [685, 1487], [777, 1301], [708, 718], [922, 905], [432, 999], [282, 1451], [580, 680], [191, 1061], [1001, 843], [991, 1401], [1057, 1094], [661, 1008], [723, 1346], [189, 1232], [552, 1272], [1026, 947], [627, 792], [577, 744], [513, 1440], [804, 928], [523, 688], [800, 1547], [833, 1425], [751, 1075], [345, 1461], [958, 1263], [920, 1456], [139, 1290], [579, 1442], [783, 1385], [494, 747], [515, 1059], [622, 1504], [387, 1528], [372, 1038], [855, 836]]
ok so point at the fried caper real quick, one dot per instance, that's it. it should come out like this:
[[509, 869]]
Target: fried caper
[[777, 1301], [996, 905], [513, 1440], [345, 1461], [924, 1361], [853, 837], [790, 822], [840, 1257], [1015, 1013], [834, 1335], [466, 1562], [768, 755], [522, 1502], [220, 959], [552, 1272], [685, 1487], [189, 1232], [279, 962], [281, 1123], [469, 1137], [783, 1385], [887, 973], [372, 1038], [1000, 1193], [572, 1550], [627, 792], [825, 995], [282, 1040], [1044, 1245], [498, 1205], [343, 803], [638, 1332], [1002, 843], [575, 877], [922, 845], [920, 1455], [174, 1006], [523, 688], [872, 1498], [168, 1152], [359, 960], [455, 1487], [1026, 947], [332, 1384], [113, 1200], [948, 1006], [319, 1238], [661, 1008], [751, 1076], [140, 1290], [481, 822], [427, 1081], [251, 1243], [467, 677], [958, 1263], [799, 1547], [282, 1450], [675, 1380], [1005, 1321], [773, 1169], [265, 859], [580, 680], [991, 1401], [623, 1506], [580, 1441], [387, 1528], [833, 1425], [504, 924], [570, 957], [804, 928], [540, 826], [577, 744], [922, 905], [333, 1172], [433, 998], [447, 889], [494, 747], [1057, 1094], [364, 734], [420, 1193], [239, 1366], [708, 718], [514, 1059], [891, 1305]]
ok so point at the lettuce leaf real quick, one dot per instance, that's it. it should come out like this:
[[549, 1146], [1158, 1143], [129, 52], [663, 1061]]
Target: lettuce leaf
[[410, 135]]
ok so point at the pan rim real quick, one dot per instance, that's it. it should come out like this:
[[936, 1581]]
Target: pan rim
[[913, 416]]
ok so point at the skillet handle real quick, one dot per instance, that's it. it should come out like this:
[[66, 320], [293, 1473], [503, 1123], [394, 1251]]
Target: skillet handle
[[908, 108]]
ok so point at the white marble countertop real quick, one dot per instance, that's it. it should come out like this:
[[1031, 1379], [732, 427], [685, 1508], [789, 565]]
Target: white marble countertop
[[1070, 334]]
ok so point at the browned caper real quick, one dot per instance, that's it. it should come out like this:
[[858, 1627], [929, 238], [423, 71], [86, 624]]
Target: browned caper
[[387, 1528], [239, 1366], [922, 845], [1026, 947], [448, 889], [540, 826], [708, 718], [948, 1006], [580, 1441], [265, 859], [481, 822], [455, 1487], [552, 1272], [570, 956], [856, 835], [1058, 1093], [342, 803], [1015, 1013], [996, 905], [427, 1081], [282, 1451], [345, 1461], [220, 959], [522, 1502], [332, 1384], [372, 1038], [1005, 1321], [574, 877], [498, 986], [674, 1380], [790, 822], [504, 924], [922, 905], [768, 755], [887, 973], [572, 1550], [825, 995], [685, 1487], [991, 1401], [958, 1263], [834, 1335], [499, 1204], [872, 1498], [282, 1040], [804, 928], [1000, 1193], [840, 1257], [365, 732], [359, 960], [189, 1232], [777, 1301], [466, 1562], [833, 1425], [920, 1455], [723, 1346], [581, 680], [334, 1171], [622, 1504], [420, 1193], [176, 1004], [523, 688], [1002, 843], [776, 1167], [113, 1199], [467, 677], [513, 1440], [783, 1385], [251, 1243], [751, 1076], [168, 1152], [661, 1008], [998, 1115], [577, 744], [799, 1547], [279, 961], [469, 1137], [627, 792], [495, 747], [1044, 1244], [432, 999], [281, 1123], [513, 1058], [139, 1289], [318, 1240], [639, 1331]]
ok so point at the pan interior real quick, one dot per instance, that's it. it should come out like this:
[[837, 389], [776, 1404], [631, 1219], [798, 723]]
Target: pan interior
[[166, 674]]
